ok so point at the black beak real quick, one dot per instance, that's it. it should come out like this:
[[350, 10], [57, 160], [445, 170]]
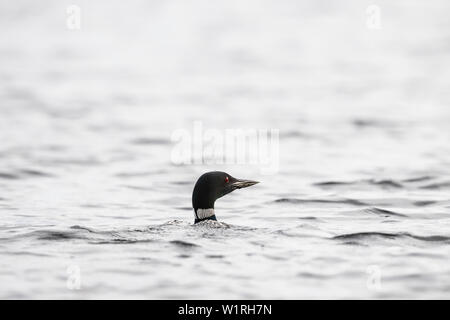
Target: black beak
[[239, 183]]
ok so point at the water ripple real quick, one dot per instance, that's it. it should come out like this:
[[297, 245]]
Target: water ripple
[[384, 212], [326, 201], [391, 236]]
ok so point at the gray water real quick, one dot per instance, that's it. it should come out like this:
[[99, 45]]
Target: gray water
[[92, 205]]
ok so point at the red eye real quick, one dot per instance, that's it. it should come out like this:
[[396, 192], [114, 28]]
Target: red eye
[[226, 179]]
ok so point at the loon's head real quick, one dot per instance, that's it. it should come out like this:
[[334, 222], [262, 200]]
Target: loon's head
[[210, 187]]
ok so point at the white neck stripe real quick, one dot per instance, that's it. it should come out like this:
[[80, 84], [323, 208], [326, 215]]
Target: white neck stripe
[[204, 213]]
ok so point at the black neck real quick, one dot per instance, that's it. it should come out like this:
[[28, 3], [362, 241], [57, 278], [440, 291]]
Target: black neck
[[213, 217]]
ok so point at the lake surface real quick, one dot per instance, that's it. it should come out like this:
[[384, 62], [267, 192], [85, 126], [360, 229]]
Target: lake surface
[[93, 206]]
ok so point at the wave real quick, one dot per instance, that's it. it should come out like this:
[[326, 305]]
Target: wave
[[384, 212], [390, 236], [333, 183], [121, 241], [418, 179], [184, 244], [375, 123], [152, 233], [55, 235], [435, 186], [76, 227], [212, 224], [424, 203], [24, 173], [8, 176], [385, 183], [35, 173], [326, 201]]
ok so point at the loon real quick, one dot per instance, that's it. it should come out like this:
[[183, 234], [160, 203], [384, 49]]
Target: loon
[[210, 187]]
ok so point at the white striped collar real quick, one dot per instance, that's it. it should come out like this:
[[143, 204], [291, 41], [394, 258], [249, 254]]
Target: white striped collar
[[204, 213]]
